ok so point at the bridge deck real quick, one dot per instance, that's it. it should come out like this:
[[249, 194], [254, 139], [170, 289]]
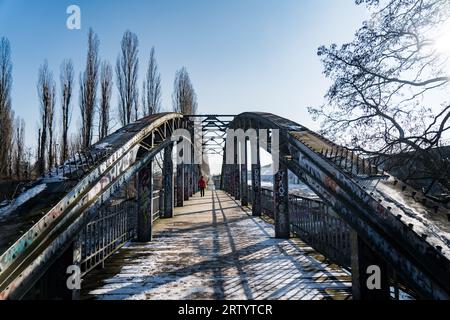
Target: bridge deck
[[214, 249]]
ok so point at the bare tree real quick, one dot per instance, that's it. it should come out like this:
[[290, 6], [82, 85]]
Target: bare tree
[[127, 75], [38, 164], [151, 93], [51, 127], [136, 105], [6, 118], [383, 101], [27, 164], [88, 89], [184, 97], [19, 147], [106, 83], [46, 91], [67, 83], [76, 144]]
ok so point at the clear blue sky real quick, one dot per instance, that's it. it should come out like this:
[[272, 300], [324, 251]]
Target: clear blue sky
[[242, 55]]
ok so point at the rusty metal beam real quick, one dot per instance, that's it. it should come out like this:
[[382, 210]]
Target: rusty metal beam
[[244, 174], [22, 276], [145, 203], [281, 203], [168, 182], [363, 258], [256, 180], [186, 181], [236, 172], [419, 250], [180, 185]]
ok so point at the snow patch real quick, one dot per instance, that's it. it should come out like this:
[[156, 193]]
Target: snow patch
[[22, 198], [103, 146]]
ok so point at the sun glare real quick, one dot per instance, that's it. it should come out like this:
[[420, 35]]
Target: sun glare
[[442, 44], [442, 39]]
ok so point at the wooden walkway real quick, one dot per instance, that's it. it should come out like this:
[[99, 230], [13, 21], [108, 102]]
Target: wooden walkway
[[214, 249]]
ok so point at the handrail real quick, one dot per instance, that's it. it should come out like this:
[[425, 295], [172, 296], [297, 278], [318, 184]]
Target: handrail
[[111, 228]]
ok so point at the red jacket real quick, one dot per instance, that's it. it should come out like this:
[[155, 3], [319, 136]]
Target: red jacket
[[201, 183]]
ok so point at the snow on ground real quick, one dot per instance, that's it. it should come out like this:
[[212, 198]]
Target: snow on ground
[[214, 250], [22, 198]]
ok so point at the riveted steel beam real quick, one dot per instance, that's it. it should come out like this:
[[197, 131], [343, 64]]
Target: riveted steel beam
[[256, 180], [244, 174], [388, 215], [168, 182], [36, 262], [145, 203]]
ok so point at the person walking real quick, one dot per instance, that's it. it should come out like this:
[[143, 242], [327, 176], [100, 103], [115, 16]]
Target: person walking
[[202, 186]]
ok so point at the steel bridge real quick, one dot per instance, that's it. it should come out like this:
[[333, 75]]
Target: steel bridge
[[78, 214]]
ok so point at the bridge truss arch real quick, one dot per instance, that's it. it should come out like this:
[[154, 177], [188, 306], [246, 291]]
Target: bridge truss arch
[[399, 225], [84, 183]]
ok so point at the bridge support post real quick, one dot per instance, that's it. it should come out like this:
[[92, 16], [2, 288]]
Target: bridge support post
[[197, 177], [191, 164], [236, 175], [168, 182], [369, 272], [231, 179], [256, 180], [180, 185], [192, 179], [186, 182], [53, 285], [76, 253], [281, 205], [192, 175], [145, 203], [244, 174], [226, 178]]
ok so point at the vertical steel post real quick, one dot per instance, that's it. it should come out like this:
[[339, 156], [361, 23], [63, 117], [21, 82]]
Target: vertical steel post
[[186, 182], [281, 204], [180, 182], [77, 262], [232, 180], [244, 174], [194, 179], [168, 182], [256, 180], [53, 285], [236, 174], [280, 185], [145, 203], [223, 176], [229, 167], [191, 172], [365, 267]]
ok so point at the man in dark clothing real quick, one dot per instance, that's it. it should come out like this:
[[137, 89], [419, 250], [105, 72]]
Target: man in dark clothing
[[202, 186]]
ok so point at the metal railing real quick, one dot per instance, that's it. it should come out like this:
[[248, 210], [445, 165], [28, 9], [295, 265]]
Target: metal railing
[[319, 227], [113, 227], [158, 203], [315, 223]]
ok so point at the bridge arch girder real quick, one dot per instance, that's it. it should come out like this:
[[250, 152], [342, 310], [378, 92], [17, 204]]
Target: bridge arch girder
[[411, 236], [127, 152]]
